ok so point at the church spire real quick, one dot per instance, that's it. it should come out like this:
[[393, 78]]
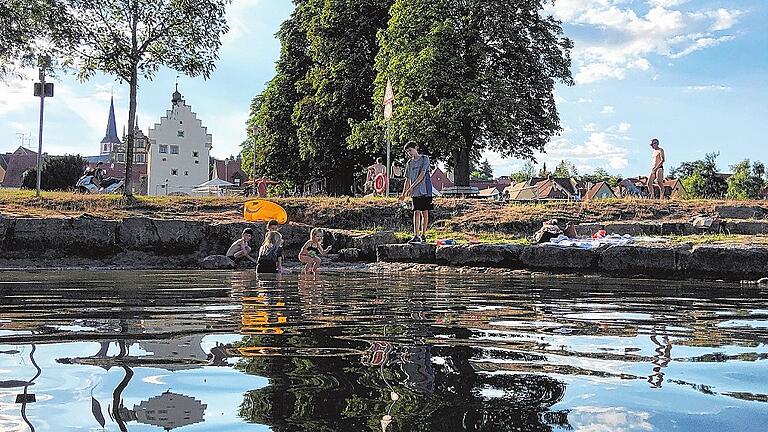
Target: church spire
[[111, 134]]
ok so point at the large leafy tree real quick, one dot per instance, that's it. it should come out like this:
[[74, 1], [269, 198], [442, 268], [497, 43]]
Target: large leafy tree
[[271, 130], [132, 39], [700, 178], [24, 24], [747, 181], [470, 76]]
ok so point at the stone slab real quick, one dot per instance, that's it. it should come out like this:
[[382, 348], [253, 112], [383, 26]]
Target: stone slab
[[739, 212], [747, 227], [733, 262], [548, 257], [638, 259], [82, 236], [407, 253], [162, 235], [480, 255], [633, 228]]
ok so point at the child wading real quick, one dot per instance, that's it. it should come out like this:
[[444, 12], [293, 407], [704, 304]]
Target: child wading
[[418, 185], [271, 254], [311, 251], [240, 249]]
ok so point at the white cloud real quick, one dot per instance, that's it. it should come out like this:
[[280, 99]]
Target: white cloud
[[590, 127], [608, 110], [584, 100], [599, 149], [629, 38], [603, 419], [706, 88], [624, 127], [238, 21]]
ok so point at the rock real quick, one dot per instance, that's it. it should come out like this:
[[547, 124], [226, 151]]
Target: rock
[[294, 235], [558, 258], [163, 235], [636, 259], [633, 228], [747, 227], [407, 253], [739, 212], [733, 262], [221, 236], [677, 228], [369, 243], [337, 239], [350, 255], [83, 236], [480, 255], [6, 228], [217, 262]]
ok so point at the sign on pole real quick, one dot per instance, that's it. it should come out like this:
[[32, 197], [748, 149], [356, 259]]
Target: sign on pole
[[389, 99]]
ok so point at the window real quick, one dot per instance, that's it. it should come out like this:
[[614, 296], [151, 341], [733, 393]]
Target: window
[[163, 148], [105, 147], [186, 173], [197, 162], [165, 159], [120, 157], [195, 154], [140, 158], [174, 172], [180, 134], [237, 182], [174, 149]]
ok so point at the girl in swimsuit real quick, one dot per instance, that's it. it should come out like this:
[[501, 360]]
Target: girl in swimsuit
[[311, 251]]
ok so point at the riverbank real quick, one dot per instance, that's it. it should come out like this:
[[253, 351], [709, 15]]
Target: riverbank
[[72, 231]]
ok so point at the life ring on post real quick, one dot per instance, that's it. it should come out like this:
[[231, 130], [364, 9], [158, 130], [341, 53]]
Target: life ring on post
[[380, 183]]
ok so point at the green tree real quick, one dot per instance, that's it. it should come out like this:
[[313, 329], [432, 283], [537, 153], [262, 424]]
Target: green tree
[[58, 174], [565, 169], [470, 76], [700, 177], [342, 38], [483, 172], [528, 171], [24, 29], [601, 175], [134, 38], [747, 181]]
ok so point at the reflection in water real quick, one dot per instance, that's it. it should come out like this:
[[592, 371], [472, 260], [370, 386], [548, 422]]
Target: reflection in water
[[379, 353]]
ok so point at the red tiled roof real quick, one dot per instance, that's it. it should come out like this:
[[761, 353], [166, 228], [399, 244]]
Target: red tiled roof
[[595, 189], [17, 164], [228, 172]]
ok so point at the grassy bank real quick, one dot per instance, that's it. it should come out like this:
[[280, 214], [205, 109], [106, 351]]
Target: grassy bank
[[461, 219]]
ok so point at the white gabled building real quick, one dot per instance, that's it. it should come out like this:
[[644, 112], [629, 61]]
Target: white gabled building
[[179, 151]]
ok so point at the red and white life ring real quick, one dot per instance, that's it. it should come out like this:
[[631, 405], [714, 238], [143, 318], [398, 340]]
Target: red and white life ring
[[380, 183]]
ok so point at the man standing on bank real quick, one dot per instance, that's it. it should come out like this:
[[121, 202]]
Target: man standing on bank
[[657, 172], [418, 186]]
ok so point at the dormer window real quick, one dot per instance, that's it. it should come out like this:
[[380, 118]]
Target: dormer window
[[180, 134]]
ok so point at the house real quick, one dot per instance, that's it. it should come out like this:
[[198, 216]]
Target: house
[[3, 168], [490, 193], [440, 180], [17, 163], [229, 169], [600, 190], [541, 189], [179, 151], [674, 189]]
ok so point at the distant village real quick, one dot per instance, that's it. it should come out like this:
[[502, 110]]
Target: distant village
[[172, 158]]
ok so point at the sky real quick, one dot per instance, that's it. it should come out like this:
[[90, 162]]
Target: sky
[[692, 73]]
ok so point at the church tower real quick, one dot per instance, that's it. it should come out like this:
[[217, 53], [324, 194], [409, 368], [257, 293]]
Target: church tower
[[110, 139]]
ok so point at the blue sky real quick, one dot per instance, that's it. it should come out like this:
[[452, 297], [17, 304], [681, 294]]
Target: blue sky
[[693, 73]]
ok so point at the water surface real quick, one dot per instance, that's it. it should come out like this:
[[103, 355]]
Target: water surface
[[153, 351]]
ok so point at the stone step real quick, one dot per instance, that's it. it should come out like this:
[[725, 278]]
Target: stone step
[[677, 261]]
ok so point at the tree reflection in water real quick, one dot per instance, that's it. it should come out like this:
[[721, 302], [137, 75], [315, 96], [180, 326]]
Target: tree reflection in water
[[395, 383]]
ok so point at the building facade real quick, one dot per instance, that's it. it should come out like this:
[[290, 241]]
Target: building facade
[[179, 151]]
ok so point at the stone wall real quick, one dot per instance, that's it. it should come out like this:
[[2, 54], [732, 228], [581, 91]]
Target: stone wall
[[676, 262]]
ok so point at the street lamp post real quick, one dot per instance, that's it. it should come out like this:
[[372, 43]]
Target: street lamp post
[[256, 131], [42, 90]]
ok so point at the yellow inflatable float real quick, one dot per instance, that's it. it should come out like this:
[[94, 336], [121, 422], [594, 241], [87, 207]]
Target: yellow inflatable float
[[264, 211]]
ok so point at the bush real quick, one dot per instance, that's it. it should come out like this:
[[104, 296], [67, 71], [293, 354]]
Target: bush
[[59, 174]]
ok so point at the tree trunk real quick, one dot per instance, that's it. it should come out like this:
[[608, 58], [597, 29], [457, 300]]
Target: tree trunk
[[461, 158], [128, 188]]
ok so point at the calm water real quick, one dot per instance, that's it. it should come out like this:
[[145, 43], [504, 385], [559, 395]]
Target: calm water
[[147, 351]]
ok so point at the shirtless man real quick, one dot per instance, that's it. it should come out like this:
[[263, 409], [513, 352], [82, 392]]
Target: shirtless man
[[657, 172], [374, 170]]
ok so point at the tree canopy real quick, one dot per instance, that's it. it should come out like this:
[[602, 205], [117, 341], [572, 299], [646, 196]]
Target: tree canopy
[[470, 76]]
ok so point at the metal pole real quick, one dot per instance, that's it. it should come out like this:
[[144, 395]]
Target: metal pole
[[40, 132], [389, 150]]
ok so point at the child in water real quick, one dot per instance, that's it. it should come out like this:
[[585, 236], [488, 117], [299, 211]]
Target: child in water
[[271, 254], [311, 251]]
